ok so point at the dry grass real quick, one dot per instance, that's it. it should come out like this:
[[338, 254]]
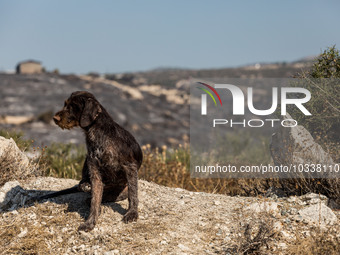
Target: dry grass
[[256, 237], [168, 167], [15, 166], [319, 242], [171, 168], [19, 236]]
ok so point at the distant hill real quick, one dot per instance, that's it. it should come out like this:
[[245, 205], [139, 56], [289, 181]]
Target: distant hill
[[153, 105]]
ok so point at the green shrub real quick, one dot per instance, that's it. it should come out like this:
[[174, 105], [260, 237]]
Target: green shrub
[[23, 144], [63, 160], [324, 124], [323, 81], [327, 65]]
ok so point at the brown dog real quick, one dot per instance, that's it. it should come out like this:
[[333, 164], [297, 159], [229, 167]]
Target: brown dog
[[113, 156]]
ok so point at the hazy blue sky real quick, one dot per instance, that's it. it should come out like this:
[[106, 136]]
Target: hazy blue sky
[[116, 36]]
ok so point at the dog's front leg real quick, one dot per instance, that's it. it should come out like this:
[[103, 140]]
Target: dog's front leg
[[96, 199], [132, 181], [84, 185]]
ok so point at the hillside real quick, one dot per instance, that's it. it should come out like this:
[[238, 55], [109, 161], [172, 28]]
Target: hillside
[[153, 105]]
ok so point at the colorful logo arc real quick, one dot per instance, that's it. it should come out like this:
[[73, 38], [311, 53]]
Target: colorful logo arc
[[209, 93]]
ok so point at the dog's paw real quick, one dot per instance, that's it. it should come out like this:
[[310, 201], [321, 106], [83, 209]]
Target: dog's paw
[[86, 227], [130, 216], [85, 187]]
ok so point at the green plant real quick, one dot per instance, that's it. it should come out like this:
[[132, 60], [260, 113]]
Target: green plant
[[243, 147], [63, 160], [324, 124], [23, 144], [327, 65]]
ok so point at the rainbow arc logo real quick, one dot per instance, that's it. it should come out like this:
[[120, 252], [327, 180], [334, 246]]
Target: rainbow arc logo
[[209, 93]]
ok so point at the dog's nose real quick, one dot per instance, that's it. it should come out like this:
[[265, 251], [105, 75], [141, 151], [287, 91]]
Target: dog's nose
[[56, 118]]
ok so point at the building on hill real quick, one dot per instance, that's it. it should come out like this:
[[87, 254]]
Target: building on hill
[[29, 67]]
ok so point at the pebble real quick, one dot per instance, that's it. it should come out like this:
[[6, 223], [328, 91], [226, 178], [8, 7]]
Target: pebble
[[217, 202], [23, 233]]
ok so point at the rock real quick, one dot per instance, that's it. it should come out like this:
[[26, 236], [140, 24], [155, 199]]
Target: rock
[[113, 252], [23, 233], [9, 151], [217, 202], [283, 246], [277, 226], [295, 145], [269, 207], [183, 247], [318, 213], [14, 164], [312, 198]]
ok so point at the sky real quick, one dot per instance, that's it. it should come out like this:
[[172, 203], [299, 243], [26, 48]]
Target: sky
[[109, 36]]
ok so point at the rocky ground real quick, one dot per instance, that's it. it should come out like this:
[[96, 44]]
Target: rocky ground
[[171, 221]]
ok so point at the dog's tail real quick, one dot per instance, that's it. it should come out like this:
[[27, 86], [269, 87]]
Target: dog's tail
[[56, 194]]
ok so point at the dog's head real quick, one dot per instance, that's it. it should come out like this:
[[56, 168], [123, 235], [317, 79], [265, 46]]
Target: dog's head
[[80, 109]]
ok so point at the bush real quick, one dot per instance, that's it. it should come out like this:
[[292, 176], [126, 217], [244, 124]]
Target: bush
[[322, 80], [327, 65], [324, 124], [63, 160], [23, 144]]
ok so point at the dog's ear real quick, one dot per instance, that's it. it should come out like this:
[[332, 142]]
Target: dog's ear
[[90, 112]]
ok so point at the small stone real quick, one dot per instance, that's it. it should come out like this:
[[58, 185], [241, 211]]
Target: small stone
[[298, 218], [217, 202], [115, 251], [270, 207], [282, 246], [23, 233], [181, 202], [287, 221], [277, 226], [183, 247], [285, 234]]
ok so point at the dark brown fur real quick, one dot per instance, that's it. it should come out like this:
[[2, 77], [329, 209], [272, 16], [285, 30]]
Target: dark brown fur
[[113, 156]]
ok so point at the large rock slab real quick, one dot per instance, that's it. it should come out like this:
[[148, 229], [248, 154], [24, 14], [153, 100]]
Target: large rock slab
[[318, 214], [14, 164], [295, 145], [10, 151]]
